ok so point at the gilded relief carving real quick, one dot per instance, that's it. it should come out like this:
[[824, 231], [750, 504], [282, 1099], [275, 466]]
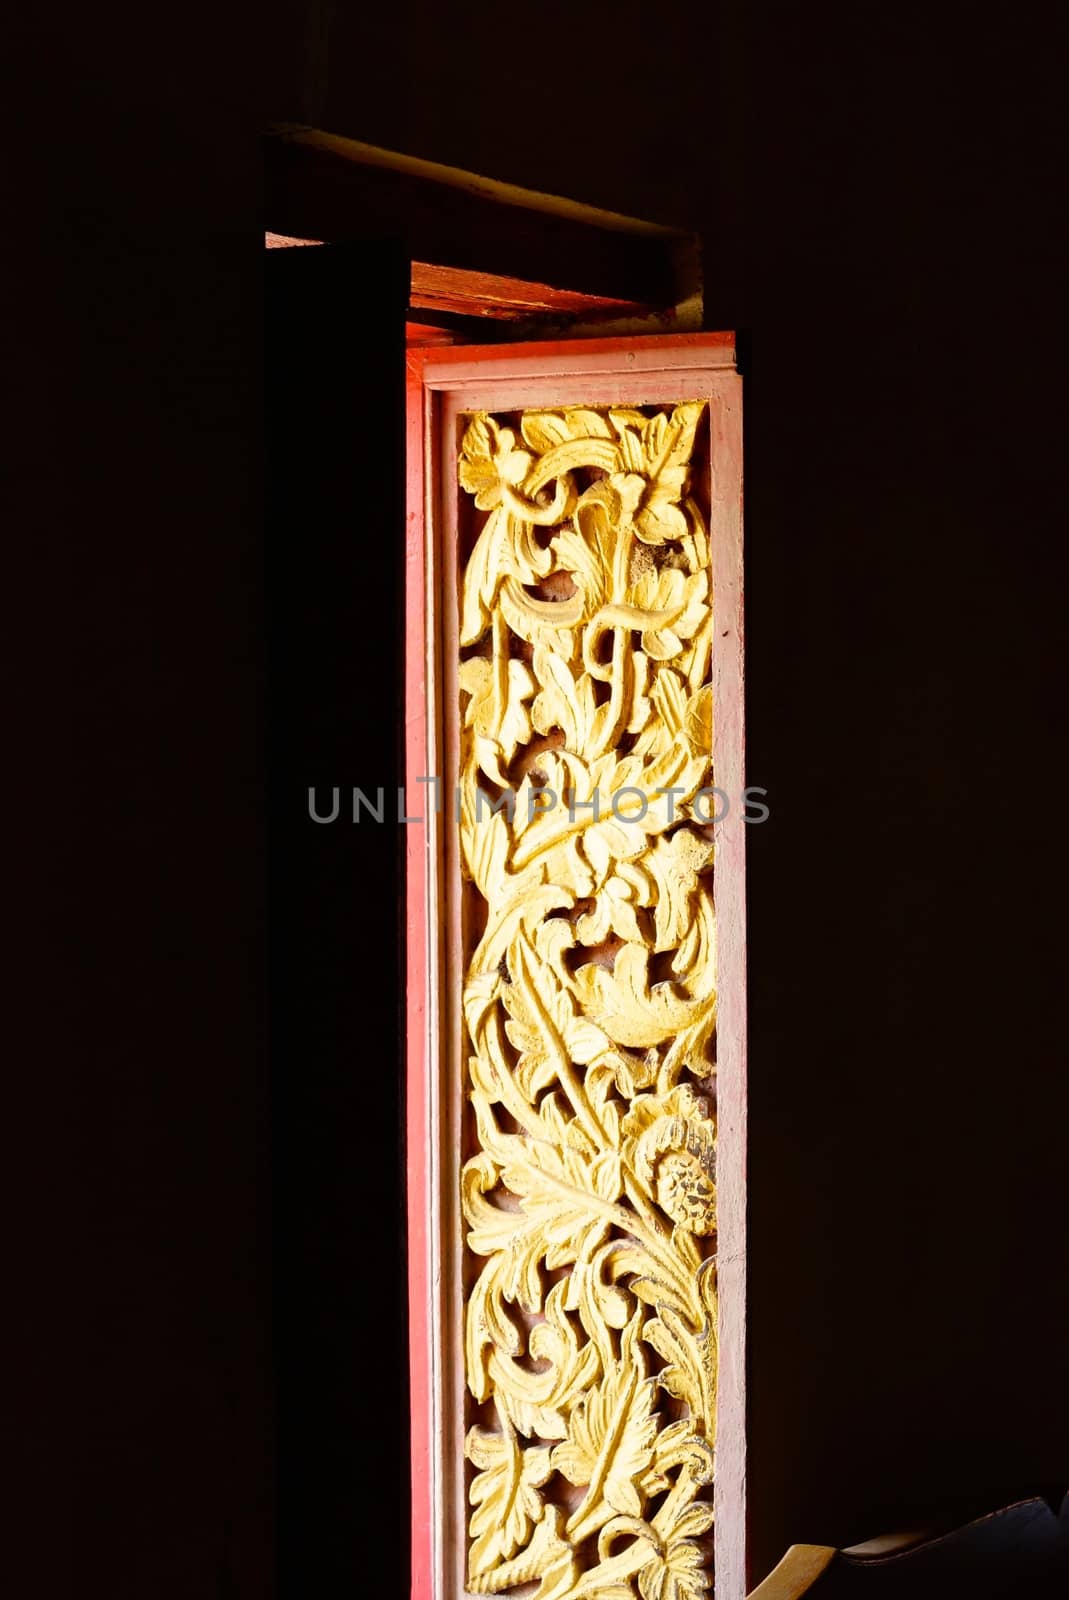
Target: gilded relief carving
[[589, 1192]]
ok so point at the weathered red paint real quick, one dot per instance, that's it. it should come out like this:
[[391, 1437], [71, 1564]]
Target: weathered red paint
[[487, 294], [419, 1208]]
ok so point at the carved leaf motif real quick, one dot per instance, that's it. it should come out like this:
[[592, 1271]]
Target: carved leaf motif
[[489, 461], [679, 1573], [542, 430], [536, 1402], [684, 1374], [674, 865], [548, 1556], [564, 701], [669, 609], [505, 1493], [667, 447], [673, 707], [564, 1193], [496, 709], [544, 1027], [679, 1449], [633, 1011], [484, 836], [610, 1438]]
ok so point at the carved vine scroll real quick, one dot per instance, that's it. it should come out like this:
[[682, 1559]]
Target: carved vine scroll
[[589, 1191]]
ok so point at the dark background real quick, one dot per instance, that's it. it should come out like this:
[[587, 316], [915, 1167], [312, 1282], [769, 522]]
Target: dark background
[[335, 470], [203, 1274]]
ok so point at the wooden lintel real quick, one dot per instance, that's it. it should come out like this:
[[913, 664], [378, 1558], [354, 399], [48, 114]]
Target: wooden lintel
[[321, 187]]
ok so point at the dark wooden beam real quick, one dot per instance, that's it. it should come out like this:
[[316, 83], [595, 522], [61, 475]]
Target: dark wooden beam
[[321, 187], [450, 306]]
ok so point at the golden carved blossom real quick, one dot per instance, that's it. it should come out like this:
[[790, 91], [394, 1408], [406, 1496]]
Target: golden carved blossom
[[589, 1002]]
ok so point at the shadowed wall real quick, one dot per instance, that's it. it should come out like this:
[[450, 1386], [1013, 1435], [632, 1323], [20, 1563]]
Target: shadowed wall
[[894, 267]]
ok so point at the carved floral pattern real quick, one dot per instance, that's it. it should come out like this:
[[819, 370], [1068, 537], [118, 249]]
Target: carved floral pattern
[[590, 1200]]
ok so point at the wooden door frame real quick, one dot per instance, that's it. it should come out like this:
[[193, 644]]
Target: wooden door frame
[[439, 381]]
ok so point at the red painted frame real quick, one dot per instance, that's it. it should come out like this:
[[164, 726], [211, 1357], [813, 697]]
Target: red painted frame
[[441, 383]]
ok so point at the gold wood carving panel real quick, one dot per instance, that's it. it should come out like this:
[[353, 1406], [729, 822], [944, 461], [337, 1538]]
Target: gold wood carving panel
[[588, 1191]]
